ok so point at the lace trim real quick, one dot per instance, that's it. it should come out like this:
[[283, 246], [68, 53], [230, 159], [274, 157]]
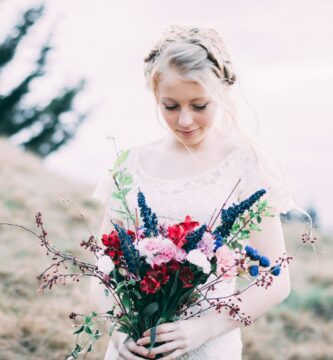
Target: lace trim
[[139, 169]]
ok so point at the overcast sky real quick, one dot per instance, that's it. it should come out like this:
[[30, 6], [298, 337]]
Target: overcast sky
[[282, 54]]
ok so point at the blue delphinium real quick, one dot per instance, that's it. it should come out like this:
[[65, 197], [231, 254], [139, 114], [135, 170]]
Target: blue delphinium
[[218, 241], [194, 237], [275, 270], [254, 270], [149, 218], [131, 254], [229, 216]]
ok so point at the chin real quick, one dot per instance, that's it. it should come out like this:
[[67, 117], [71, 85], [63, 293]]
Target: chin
[[192, 140]]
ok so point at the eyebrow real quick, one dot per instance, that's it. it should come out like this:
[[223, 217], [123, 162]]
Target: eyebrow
[[198, 98]]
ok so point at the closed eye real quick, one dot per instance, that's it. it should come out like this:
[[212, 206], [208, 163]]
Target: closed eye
[[196, 107], [200, 107]]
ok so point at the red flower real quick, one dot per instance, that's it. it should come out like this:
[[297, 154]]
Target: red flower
[[115, 255], [111, 240], [159, 273], [177, 235], [131, 234], [188, 225], [173, 266], [149, 285], [186, 276], [178, 232]]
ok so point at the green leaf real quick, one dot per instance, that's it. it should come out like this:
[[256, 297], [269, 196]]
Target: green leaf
[[126, 301], [87, 320], [131, 282], [116, 195], [89, 348], [128, 180], [152, 337], [121, 212], [137, 294], [78, 331], [121, 158], [174, 285], [98, 334], [125, 191], [87, 329], [150, 309]]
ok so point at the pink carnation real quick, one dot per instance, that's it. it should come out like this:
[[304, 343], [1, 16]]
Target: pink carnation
[[226, 262], [206, 244], [159, 250]]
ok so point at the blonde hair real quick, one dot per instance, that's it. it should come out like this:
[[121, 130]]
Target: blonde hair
[[199, 54]]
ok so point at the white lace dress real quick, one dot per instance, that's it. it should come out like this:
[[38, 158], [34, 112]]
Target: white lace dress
[[197, 196]]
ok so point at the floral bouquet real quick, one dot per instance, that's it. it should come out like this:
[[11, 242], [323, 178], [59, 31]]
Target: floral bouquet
[[162, 272], [159, 272]]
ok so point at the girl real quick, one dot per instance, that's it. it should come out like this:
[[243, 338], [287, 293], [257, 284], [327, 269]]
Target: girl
[[192, 170]]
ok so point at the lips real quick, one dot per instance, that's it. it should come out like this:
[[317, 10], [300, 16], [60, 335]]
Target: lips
[[189, 133]]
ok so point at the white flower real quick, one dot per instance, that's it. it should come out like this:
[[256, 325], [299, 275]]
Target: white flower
[[105, 264], [198, 258]]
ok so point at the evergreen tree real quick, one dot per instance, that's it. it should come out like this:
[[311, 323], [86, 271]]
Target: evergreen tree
[[46, 128]]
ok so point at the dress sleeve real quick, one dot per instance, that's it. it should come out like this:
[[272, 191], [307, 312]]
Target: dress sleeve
[[264, 176]]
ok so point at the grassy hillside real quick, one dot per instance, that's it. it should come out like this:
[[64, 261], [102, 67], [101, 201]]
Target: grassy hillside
[[35, 326]]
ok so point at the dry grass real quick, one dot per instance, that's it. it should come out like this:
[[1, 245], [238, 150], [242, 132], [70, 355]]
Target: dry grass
[[35, 326]]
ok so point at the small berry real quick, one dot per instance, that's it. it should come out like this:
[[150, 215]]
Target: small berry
[[264, 261], [254, 270], [276, 270]]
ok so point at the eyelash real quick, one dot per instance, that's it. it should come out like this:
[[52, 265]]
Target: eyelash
[[196, 107]]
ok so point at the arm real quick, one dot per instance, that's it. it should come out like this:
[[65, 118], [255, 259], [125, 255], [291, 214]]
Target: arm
[[257, 300]]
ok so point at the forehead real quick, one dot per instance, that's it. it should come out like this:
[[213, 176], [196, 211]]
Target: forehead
[[171, 87]]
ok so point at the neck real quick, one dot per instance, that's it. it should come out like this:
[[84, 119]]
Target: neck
[[211, 141]]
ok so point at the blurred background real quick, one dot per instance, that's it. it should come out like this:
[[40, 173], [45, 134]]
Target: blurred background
[[71, 77]]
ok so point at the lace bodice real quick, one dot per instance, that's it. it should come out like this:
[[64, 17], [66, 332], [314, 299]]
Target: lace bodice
[[197, 196]]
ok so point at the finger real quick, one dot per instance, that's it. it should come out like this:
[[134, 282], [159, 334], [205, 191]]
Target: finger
[[159, 338], [125, 354], [170, 346], [137, 349], [173, 356], [167, 327]]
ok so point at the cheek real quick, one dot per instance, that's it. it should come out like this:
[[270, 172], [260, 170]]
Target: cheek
[[205, 120], [169, 117]]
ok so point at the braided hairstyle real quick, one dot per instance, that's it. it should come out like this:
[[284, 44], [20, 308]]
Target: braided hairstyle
[[188, 48]]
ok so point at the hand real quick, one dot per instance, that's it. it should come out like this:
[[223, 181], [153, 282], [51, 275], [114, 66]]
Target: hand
[[179, 337], [129, 351]]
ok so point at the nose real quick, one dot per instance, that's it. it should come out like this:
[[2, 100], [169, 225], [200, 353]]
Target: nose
[[185, 118]]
